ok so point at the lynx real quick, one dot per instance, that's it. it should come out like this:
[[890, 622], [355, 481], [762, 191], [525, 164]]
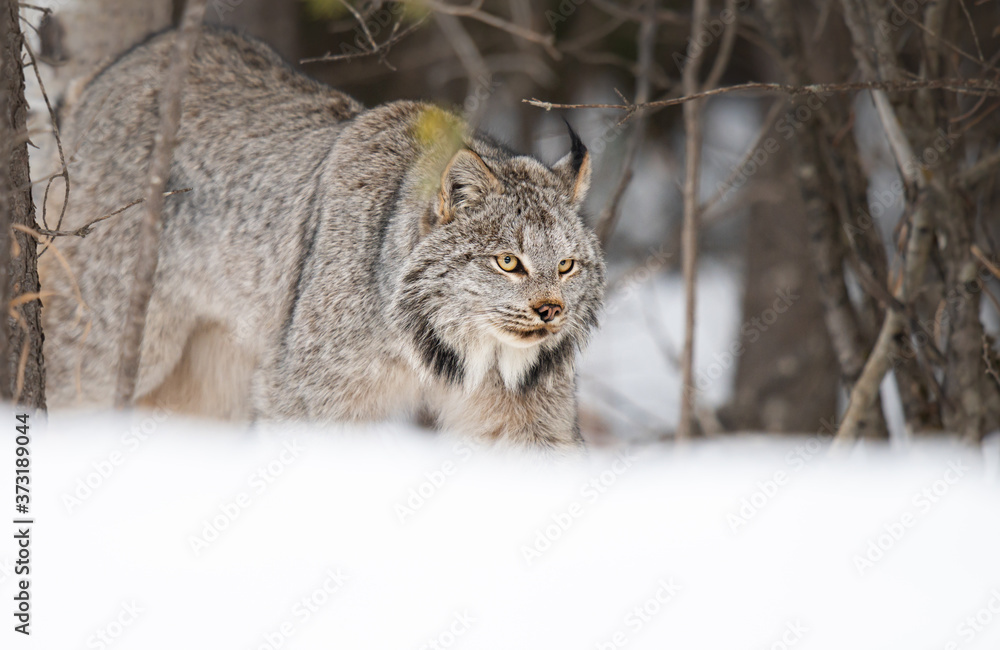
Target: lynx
[[329, 263]]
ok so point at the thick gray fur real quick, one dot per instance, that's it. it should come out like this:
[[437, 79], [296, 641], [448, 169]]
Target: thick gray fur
[[330, 262]]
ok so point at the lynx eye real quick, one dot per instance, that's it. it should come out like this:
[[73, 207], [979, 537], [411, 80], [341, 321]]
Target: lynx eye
[[565, 266], [508, 262]]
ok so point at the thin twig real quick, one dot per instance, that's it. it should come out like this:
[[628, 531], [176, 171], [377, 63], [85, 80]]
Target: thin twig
[[87, 228], [361, 21], [689, 232], [655, 329], [724, 187], [476, 69], [584, 40], [978, 252], [899, 144], [382, 49], [972, 28], [725, 48], [647, 45], [983, 169], [473, 11], [161, 158], [972, 86], [866, 388], [44, 10], [64, 169], [951, 46], [633, 411], [77, 294]]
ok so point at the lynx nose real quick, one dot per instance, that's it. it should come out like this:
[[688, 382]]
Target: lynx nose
[[548, 311]]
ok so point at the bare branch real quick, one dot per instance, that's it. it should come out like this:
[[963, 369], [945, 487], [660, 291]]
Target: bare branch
[[725, 48], [476, 69], [63, 169], [44, 10], [159, 171], [765, 127], [87, 228], [943, 41], [978, 252], [382, 49], [473, 11], [898, 142], [689, 232], [866, 388], [984, 168], [361, 21], [972, 29], [983, 87], [647, 46]]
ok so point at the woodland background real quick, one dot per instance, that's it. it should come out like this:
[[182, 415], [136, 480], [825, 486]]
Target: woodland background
[[798, 199]]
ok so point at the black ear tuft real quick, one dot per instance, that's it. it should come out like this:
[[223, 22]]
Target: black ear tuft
[[574, 168], [577, 149]]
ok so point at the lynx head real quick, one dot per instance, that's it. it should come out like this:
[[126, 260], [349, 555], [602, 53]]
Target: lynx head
[[505, 275]]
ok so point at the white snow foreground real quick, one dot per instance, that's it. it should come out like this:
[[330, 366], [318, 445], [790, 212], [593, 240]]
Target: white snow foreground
[[154, 532]]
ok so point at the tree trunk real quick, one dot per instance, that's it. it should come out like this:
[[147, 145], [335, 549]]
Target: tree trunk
[[817, 183], [786, 379], [6, 160], [24, 369]]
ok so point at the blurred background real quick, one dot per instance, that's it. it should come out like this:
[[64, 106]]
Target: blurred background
[[804, 209]]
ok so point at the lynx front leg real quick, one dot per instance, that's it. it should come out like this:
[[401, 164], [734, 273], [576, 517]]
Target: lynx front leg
[[539, 416]]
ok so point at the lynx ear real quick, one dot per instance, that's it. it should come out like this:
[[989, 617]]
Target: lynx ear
[[574, 168], [466, 179]]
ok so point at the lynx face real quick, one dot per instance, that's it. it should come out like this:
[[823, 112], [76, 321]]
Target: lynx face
[[543, 271], [507, 269]]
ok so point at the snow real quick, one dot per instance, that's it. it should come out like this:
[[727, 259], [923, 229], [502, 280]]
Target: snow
[[313, 538]]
